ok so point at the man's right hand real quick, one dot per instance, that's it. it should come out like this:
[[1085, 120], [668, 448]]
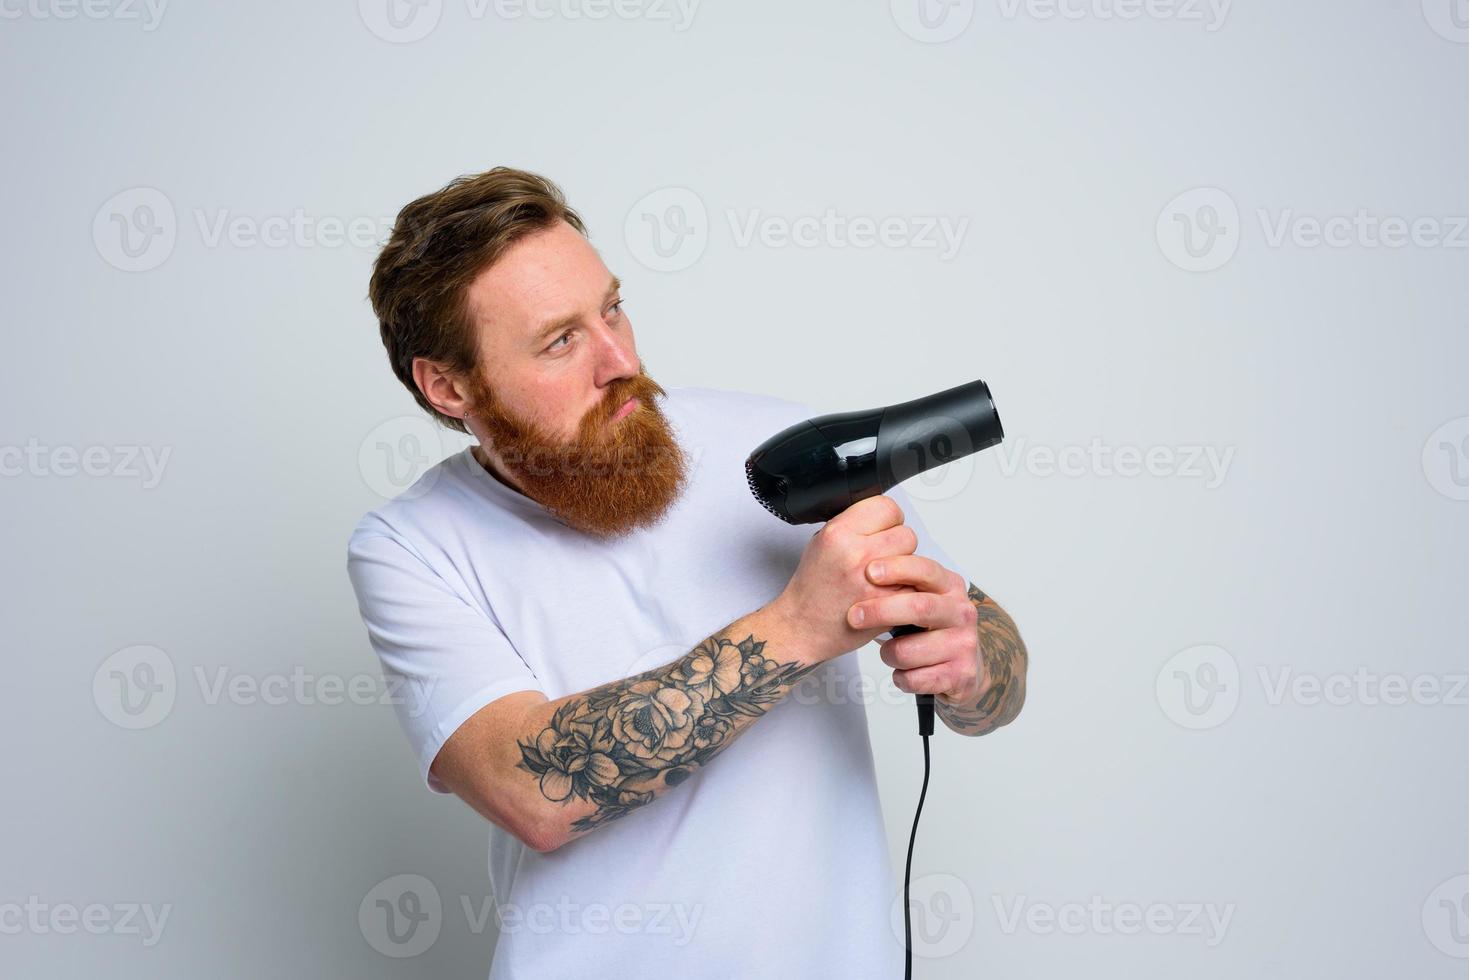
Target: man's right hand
[[832, 576]]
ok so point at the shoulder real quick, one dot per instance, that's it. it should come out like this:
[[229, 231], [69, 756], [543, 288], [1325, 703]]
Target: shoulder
[[735, 407], [430, 500]]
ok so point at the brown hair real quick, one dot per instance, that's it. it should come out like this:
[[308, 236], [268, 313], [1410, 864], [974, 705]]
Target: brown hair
[[440, 243]]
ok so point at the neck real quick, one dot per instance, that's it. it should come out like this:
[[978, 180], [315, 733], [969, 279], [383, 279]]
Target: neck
[[484, 459]]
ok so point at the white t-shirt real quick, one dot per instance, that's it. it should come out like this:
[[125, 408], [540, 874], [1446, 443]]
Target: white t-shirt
[[770, 862]]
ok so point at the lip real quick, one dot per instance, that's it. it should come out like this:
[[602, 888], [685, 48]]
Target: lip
[[626, 408]]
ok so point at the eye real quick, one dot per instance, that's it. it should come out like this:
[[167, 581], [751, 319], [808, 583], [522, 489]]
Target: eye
[[558, 341], [615, 309]]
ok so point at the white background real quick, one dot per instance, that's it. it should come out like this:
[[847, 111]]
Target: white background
[[1136, 269]]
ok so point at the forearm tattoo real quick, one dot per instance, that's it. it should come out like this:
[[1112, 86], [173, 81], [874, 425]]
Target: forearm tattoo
[[1005, 661], [621, 742]]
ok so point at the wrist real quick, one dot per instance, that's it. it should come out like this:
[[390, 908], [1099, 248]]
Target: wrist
[[777, 624]]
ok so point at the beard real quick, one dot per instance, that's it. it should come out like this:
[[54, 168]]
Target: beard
[[612, 477]]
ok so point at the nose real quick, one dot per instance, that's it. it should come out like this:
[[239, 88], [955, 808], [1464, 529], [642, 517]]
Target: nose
[[616, 353]]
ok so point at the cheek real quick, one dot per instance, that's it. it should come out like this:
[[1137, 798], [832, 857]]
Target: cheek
[[533, 401], [561, 404]]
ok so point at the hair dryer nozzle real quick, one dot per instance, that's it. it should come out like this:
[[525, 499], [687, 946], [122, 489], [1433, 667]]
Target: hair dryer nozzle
[[925, 433], [814, 470]]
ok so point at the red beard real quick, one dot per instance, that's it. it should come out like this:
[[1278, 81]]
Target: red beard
[[613, 477]]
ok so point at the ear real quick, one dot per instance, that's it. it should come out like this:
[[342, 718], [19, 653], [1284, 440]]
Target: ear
[[445, 392]]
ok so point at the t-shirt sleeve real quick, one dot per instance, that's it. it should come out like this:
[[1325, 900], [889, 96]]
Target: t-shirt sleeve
[[442, 657]]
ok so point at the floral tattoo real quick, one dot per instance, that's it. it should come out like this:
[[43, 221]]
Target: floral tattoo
[[605, 746]]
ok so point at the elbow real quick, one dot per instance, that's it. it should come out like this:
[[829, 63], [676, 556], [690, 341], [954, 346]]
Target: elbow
[[542, 838], [526, 822]]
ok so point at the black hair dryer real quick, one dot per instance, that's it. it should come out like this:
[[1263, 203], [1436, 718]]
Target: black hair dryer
[[814, 470]]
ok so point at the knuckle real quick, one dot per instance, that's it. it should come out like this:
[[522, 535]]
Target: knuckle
[[890, 508]]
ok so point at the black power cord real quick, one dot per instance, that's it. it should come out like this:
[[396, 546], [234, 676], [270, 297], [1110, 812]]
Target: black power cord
[[925, 729], [908, 868]]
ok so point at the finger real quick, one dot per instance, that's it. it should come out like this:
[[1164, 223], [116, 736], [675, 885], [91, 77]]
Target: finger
[[870, 515], [924, 574], [935, 679], [898, 541], [914, 650], [917, 608]]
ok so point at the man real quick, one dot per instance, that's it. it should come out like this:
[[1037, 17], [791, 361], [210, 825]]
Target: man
[[550, 595]]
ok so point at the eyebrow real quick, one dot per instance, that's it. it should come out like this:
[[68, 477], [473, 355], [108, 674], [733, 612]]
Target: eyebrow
[[546, 330]]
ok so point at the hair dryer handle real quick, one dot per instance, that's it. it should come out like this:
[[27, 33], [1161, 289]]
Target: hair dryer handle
[[925, 701]]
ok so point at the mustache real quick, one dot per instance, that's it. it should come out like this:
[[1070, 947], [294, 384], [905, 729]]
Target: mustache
[[641, 387]]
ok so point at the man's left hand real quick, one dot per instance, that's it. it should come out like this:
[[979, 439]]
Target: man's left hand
[[943, 661]]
